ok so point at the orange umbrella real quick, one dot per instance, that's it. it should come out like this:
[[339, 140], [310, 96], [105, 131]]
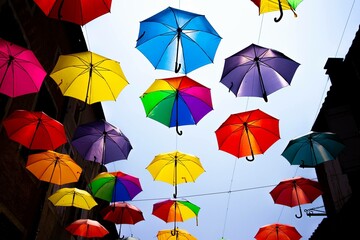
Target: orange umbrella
[[87, 228], [53, 167], [277, 231]]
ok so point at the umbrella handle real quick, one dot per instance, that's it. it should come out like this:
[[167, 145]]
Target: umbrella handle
[[177, 67], [281, 13], [300, 213], [179, 132], [250, 159]]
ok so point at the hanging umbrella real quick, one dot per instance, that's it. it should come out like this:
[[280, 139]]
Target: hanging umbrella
[[122, 213], [179, 234], [256, 71], [276, 5], [89, 77], [35, 130], [73, 197], [248, 133], [175, 168], [295, 192], [53, 167], [20, 71], [277, 231], [101, 142], [175, 211], [75, 11], [177, 101], [115, 186], [177, 40], [87, 228], [313, 148]]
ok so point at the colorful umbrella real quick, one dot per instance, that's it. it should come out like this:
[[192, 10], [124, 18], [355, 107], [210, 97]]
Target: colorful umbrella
[[279, 5], [179, 234], [87, 228], [101, 142], [175, 168], [277, 231], [20, 71], [35, 130], [115, 186], [248, 133], [75, 11], [73, 197], [177, 101], [89, 77], [313, 148], [122, 213], [295, 192], [177, 40], [256, 71], [53, 167]]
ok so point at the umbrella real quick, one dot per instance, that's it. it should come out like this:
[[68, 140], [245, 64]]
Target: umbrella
[[35, 130], [53, 167], [175, 168], [175, 211], [87, 228], [256, 71], [74, 197], [295, 192], [89, 77], [101, 142], [20, 71], [248, 133], [277, 231], [177, 101], [276, 5], [177, 40], [75, 11], [122, 213], [179, 234], [313, 148], [115, 186]]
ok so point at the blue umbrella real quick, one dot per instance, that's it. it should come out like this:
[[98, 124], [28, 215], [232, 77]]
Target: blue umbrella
[[177, 40]]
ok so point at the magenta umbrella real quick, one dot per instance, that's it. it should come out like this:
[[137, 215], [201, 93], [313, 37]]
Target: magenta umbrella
[[20, 71]]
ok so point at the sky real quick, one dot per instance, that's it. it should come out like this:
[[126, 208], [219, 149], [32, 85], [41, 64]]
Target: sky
[[232, 193]]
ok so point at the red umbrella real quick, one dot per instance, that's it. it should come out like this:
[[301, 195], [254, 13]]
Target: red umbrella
[[76, 11], [35, 130], [248, 133], [277, 231], [295, 192], [87, 228]]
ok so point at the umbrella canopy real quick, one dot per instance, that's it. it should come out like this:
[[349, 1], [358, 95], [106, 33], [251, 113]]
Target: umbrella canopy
[[20, 71], [179, 234], [279, 5], [101, 142], [73, 197], [115, 186], [248, 133], [295, 192], [177, 101], [277, 231], [177, 40], [89, 77], [175, 168], [35, 130], [313, 148], [256, 71], [87, 228], [53, 167], [75, 11]]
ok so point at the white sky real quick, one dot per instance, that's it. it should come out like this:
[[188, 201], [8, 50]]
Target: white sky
[[321, 30]]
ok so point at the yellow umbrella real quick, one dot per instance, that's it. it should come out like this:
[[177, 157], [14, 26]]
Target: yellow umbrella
[[179, 234], [89, 77], [53, 167], [175, 168], [68, 197], [276, 5]]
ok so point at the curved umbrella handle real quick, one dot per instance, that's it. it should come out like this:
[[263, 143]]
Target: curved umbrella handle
[[177, 67], [300, 213], [248, 137], [252, 157], [281, 13], [179, 132]]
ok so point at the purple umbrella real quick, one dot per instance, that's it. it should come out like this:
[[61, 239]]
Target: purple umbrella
[[256, 71], [101, 142]]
